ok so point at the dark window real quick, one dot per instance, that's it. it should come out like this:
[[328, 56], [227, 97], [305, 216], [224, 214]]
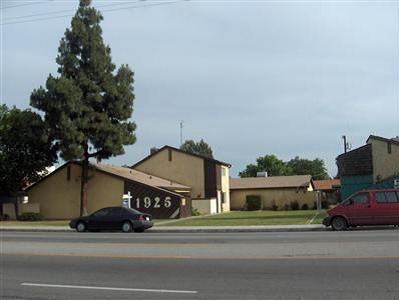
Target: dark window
[[389, 148], [170, 154], [391, 197], [69, 173], [359, 199], [102, 213], [380, 197]]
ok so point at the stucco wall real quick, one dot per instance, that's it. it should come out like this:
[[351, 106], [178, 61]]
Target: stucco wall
[[225, 183], [59, 194], [178, 167], [205, 206], [279, 197], [384, 164]]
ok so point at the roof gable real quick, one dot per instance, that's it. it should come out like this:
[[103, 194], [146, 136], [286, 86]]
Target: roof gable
[[134, 175], [394, 141], [295, 181], [166, 147], [126, 174], [356, 162]]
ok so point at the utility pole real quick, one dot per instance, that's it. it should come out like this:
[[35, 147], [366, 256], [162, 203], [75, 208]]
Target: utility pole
[[345, 145], [181, 132]]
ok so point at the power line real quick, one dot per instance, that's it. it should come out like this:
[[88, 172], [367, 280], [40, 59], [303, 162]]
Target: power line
[[71, 12], [25, 4]]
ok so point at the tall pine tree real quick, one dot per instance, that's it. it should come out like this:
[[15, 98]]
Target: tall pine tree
[[89, 104]]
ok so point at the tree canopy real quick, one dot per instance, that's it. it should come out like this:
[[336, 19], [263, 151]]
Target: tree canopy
[[277, 167], [268, 163], [89, 104], [25, 149], [199, 148]]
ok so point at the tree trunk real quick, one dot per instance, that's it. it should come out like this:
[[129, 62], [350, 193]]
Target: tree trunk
[[83, 187]]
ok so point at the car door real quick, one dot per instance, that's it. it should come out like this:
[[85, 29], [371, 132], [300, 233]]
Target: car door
[[359, 209], [101, 219], [116, 218], [387, 212]]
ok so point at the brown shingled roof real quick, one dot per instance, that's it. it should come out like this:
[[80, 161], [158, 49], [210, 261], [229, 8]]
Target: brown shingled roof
[[141, 177], [270, 182], [329, 184]]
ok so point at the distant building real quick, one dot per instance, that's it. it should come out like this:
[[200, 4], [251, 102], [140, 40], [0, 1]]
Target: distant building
[[329, 189], [58, 194], [373, 165], [274, 191], [207, 177]]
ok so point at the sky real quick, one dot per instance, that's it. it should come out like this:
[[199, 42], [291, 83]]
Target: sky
[[250, 78]]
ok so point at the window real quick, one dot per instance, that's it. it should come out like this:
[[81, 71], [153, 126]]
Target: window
[[391, 197], [387, 197], [389, 148], [359, 199], [69, 173], [380, 197]]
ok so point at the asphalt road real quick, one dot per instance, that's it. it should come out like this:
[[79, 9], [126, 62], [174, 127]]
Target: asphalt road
[[358, 264]]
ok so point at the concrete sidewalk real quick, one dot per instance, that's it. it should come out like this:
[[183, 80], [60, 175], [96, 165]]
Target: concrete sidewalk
[[185, 229]]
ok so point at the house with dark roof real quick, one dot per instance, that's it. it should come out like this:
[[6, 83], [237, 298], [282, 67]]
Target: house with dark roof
[[58, 194], [374, 165], [207, 177], [275, 191]]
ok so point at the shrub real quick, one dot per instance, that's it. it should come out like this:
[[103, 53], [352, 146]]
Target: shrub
[[253, 202], [305, 206], [29, 216], [286, 207], [4, 217], [325, 204], [294, 205], [195, 212]]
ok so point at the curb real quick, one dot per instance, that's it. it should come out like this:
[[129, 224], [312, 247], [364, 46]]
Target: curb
[[192, 229]]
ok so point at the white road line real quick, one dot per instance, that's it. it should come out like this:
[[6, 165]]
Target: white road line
[[106, 288]]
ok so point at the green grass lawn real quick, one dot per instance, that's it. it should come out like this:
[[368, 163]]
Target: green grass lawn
[[248, 218], [234, 218]]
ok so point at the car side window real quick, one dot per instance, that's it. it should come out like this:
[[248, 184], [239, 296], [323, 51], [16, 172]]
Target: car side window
[[380, 197], [116, 211], [102, 213], [361, 198], [391, 197]]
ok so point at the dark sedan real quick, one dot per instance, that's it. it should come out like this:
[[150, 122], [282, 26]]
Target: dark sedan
[[113, 218]]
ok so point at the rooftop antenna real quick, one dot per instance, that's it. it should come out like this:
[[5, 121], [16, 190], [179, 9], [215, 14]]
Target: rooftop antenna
[[347, 146]]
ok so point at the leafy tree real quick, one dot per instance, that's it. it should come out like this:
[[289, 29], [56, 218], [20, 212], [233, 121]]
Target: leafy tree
[[276, 167], [88, 105], [269, 163], [200, 148], [25, 149], [314, 167]]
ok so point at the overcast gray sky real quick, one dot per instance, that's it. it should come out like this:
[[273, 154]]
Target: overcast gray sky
[[251, 78]]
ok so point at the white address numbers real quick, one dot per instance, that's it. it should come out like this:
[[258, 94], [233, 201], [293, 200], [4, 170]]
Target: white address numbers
[[157, 202]]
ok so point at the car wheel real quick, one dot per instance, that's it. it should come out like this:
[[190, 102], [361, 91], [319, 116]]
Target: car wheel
[[81, 226], [339, 223], [127, 226]]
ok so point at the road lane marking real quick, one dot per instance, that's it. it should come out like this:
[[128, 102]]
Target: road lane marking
[[106, 288], [194, 257]]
